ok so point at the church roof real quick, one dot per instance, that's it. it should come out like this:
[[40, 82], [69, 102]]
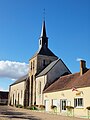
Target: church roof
[[70, 81], [48, 68], [44, 51], [20, 80]]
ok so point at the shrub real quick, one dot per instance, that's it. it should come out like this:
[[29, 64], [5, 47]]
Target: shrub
[[70, 110], [19, 106], [88, 108], [88, 112], [33, 107], [42, 107], [69, 107], [53, 107]]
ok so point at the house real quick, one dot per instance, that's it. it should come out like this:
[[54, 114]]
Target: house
[[44, 69], [3, 97], [70, 90]]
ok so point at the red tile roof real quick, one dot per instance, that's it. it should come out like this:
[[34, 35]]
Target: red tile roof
[[69, 81]]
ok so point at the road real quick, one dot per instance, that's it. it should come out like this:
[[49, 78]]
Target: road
[[12, 113]]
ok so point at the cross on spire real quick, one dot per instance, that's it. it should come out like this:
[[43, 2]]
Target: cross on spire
[[44, 14]]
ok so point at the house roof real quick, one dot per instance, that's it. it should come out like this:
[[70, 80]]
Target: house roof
[[69, 81], [3, 95], [48, 68], [20, 80]]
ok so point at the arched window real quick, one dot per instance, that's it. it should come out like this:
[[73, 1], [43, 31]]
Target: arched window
[[40, 87], [44, 63], [31, 65], [21, 93], [18, 98]]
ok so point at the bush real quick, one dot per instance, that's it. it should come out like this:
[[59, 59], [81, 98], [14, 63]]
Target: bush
[[33, 107], [70, 110], [53, 107], [69, 107], [88, 112], [42, 107], [19, 106], [88, 108]]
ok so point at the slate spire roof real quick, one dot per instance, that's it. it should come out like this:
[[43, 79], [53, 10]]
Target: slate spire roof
[[43, 32]]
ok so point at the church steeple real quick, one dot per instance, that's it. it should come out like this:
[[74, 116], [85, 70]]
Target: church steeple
[[43, 32], [43, 41]]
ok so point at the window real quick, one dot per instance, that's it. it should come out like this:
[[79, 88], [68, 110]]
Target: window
[[78, 102], [43, 62], [21, 93], [40, 42], [39, 87], [18, 98], [31, 65]]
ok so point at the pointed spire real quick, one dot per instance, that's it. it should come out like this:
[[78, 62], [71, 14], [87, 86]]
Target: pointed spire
[[43, 41], [43, 32]]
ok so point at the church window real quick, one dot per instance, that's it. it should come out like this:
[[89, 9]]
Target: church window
[[18, 98], [31, 65], [13, 99], [21, 93], [43, 62], [16, 93], [40, 42], [39, 87]]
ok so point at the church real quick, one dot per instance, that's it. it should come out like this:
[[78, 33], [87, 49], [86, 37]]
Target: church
[[44, 68], [49, 82]]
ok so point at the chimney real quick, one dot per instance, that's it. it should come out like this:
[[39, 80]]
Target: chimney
[[82, 67]]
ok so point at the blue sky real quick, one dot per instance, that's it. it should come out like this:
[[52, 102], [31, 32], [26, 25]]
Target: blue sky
[[68, 30]]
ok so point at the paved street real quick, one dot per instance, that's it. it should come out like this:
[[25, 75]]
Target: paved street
[[11, 113]]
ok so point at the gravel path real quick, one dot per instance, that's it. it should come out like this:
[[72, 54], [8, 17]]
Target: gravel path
[[11, 113]]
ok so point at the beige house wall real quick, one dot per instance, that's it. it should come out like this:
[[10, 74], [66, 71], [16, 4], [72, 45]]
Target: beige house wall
[[17, 93], [69, 96]]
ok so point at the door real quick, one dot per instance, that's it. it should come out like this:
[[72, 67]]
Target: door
[[47, 105], [63, 105], [55, 102]]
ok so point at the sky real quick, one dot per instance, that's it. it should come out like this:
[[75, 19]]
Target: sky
[[67, 27]]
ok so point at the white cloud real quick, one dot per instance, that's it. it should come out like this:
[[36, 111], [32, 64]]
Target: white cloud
[[78, 59], [13, 70], [1, 89]]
